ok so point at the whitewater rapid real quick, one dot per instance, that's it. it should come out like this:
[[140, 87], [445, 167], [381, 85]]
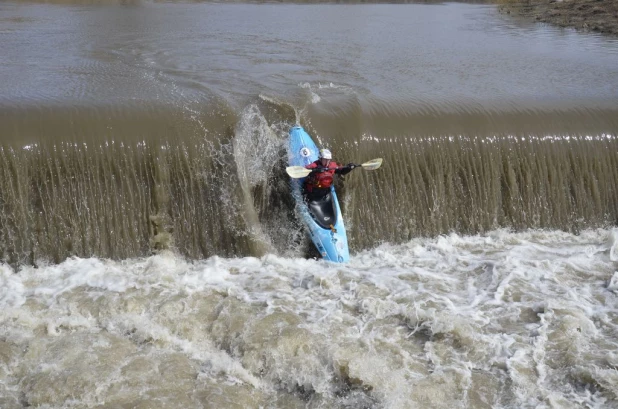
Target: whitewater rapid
[[500, 320]]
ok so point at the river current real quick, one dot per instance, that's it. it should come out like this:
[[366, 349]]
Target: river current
[[151, 255]]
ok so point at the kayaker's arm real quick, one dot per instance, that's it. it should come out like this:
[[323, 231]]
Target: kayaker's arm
[[344, 170], [317, 170]]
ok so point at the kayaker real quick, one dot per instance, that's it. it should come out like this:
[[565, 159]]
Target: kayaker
[[319, 181]]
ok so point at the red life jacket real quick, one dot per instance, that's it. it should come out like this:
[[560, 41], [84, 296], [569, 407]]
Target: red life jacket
[[320, 180]]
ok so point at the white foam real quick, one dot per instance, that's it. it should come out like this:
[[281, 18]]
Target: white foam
[[428, 319], [613, 283], [613, 251], [11, 288]]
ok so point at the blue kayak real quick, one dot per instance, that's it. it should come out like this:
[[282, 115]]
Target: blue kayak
[[322, 217]]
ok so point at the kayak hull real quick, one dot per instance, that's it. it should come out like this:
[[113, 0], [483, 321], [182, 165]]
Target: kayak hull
[[332, 243]]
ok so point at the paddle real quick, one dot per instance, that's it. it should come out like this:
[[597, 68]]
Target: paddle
[[297, 172]]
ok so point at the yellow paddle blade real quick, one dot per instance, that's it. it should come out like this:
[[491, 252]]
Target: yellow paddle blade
[[297, 172], [372, 164]]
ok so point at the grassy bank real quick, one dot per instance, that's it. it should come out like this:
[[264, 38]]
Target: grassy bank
[[588, 15]]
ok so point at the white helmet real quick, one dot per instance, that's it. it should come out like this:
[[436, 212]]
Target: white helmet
[[325, 154]]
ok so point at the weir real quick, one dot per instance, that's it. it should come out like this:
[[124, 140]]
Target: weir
[[116, 183]]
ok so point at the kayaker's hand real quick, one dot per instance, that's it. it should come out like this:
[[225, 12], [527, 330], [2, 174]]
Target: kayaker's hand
[[350, 166]]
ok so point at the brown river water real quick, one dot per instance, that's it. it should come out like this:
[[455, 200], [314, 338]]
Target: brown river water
[[130, 128], [151, 255]]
